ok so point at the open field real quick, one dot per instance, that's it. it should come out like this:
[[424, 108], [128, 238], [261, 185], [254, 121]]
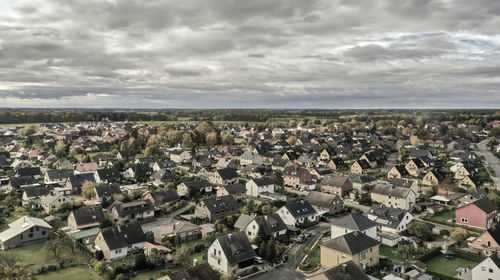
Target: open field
[[448, 267]]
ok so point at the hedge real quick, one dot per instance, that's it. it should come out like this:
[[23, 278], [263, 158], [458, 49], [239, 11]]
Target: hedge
[[440, 276], [429, 255], [478, 230], [466, 255]]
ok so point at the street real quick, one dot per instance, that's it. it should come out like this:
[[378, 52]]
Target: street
[[492, 161], [295, 255]]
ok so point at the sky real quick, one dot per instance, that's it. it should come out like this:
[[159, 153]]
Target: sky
[[330, 54]]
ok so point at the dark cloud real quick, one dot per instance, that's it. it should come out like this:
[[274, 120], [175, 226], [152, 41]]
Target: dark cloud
[[261, 53]]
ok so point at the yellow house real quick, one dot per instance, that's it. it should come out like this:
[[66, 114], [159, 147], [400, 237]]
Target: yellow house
[[430, 179], [354, 246], [468, 184], [360, 167], [462, 172]]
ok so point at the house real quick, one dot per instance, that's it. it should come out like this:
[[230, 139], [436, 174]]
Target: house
[[119, 241], [392, 196], [325, 202], [466, 169], [489, 269], [56, 176], [354, 246], [161, 177], [76, 181], [34, 194], [388, 219], [339, 185], [238, 191], [86, 218], [370, 158], [481, 213], [22, 230], [89, 167], [85, 237], [161, 197], [196, 171], [225, 163], [271, 225], [193, 188], [34, 172], [257, 186], [199, 272], [415, 166], [397, 171], [432, 178], [215, 208], [224, 176], [231, 253], [179, 156], [280, 164], [488, 243], [351, 223], [407, 183], [296, 176], [55, 201], [109, 175], [469, 183], [360, 167], [131, 211], [248, 158], [125, 155], [179, 231], [298, 212], [106, 191], [337, 164], [359, 181], [345, 271]]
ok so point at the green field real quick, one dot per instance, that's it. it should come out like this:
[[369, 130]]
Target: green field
[[34, 255], [73, 273], [444, 216], [448, 267]]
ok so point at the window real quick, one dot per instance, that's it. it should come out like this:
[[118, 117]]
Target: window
[[218, 262], [21, 236], [490, 270], [215, 251], [30, 235], [43, 232], [465, 220]]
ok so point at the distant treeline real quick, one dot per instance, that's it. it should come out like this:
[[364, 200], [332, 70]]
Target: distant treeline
[[14, 116]]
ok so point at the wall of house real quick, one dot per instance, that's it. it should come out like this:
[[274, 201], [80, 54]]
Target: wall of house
[[471, 215], [30, 234], [486, 244], [216, 258], [486, 270]]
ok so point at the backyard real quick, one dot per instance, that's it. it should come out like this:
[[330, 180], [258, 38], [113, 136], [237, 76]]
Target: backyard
[[444, 217], [392, 253], [447, 267]]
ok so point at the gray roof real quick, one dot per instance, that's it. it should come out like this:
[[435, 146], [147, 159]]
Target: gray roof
[[351, 243], [345, 271], [321, 199], [354, 222], [264, 181], [21, 225], [236, 247], [300, 209], [121, 236], [391, 191], [271, 223], [243, 221], [334, 181], [388, 216]]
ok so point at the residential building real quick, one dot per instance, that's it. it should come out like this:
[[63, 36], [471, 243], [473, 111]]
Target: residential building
[[339, 185], [360, 167], [325, 202], [488, 243], [119, 241], [197, 187], [388, 219], [161, 197], [272, 225], [131, 211], [180, 231], [481, 213], [224, 176], [257, 186], [345, 271], [238, 191], [489, 269], [86, 217], [298, 212], [22, 230], [296, 176], [354, 246], [231, 253], [392, 196], [215, 208], [352, 223]]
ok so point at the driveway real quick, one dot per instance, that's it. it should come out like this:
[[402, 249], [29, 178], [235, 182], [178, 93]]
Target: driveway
[[295, 255], [491, 161], [148, 225]]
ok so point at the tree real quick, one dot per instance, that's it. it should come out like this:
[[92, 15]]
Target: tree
[[140, 262], [494, 196], [151, 151], [155, 258], [88, 189], [182, 256], [419, 230], [61, 149], [187, 141], [211, 139], [459, 234]]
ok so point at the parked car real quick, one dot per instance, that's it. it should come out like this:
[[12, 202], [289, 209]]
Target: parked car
[[324, 218], [301, 238], [258, 260]]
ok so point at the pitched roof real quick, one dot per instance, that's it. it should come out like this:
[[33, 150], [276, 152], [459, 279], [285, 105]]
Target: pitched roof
[[271, 223], [345, 271], [301, 208], [107, 190], [354, 222], [388, 216], [21, 225], [364, 164], [200, 272], [79, 179], [236, 188], [121, 236], [391, 191], [227, 173], [334, 180], [321, 199], [243, 221], [351, 243], [236, 247], [165, 196], [485, 204], [108, 174], [221, 203], [55, 174], [264, 181], [38, 191], [89, 215], [29, 171]]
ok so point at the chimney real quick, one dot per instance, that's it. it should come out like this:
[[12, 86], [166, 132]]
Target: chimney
[[344, 266]]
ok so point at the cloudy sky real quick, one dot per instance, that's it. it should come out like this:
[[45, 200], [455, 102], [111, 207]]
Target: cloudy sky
[[250, 54]]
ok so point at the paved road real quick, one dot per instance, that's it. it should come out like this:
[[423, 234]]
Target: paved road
[[295, 255], [491, 160], [148, 225]]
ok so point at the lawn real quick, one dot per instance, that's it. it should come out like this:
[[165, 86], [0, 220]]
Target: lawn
[[35, 256], [153, 274], [444, 217], [73, 273], [448, 267], [389, 253]]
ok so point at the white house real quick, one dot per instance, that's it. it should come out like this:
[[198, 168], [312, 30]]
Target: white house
[[231, 253], [298, 212], [390, 219], [353, 222], [489, 269], [260, 185]]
